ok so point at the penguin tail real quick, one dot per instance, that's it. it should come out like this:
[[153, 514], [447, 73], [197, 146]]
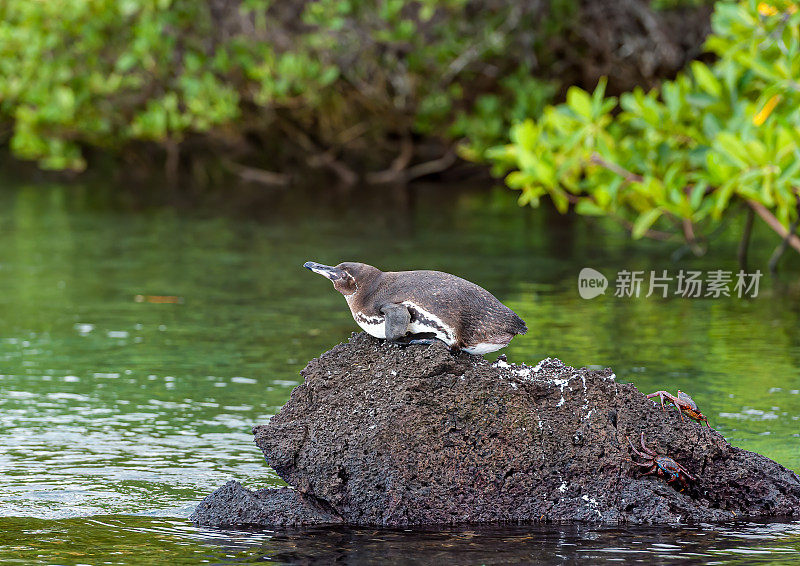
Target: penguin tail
[[522, 328]]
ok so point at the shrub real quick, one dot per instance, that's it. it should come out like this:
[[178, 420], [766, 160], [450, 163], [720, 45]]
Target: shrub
[[77, 73], [324, 81], [102, 71], [677, 159]]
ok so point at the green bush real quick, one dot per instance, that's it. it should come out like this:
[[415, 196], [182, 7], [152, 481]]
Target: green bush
[[103, 73], [100, 72], [677, 159], [352, 81]]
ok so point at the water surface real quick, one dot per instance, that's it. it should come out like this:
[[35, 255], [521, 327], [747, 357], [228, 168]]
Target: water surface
[[117, 414]]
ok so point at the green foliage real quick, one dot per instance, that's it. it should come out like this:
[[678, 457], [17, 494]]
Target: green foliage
[[678, 158], [105, 71], [77, 73], [520, 96]]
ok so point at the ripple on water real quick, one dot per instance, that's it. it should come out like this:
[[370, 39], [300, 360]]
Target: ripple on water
[[112, 406], [147, 539]]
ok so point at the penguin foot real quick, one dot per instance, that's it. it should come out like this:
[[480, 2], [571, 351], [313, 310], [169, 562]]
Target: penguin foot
[[421, 339], [431, 341], [424, 341], [415, 341]]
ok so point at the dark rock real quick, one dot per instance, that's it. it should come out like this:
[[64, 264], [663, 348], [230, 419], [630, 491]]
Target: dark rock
[[384, 435], [232, 504]]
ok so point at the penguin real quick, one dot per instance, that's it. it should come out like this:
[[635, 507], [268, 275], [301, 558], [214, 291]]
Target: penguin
[[418, 307]]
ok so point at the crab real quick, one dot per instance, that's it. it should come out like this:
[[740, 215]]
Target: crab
[[683, 403], [663, 466]]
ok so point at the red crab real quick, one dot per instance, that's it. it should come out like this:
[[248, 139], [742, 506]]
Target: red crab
[[663, 466], [683, 403]]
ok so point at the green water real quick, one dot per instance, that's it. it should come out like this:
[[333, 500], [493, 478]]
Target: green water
[[117, 416]]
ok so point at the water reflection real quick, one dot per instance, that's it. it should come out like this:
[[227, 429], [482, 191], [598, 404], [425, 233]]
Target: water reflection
[[146, 540], [521, 545]]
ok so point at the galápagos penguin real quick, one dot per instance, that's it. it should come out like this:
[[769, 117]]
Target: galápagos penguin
[[416, 307]]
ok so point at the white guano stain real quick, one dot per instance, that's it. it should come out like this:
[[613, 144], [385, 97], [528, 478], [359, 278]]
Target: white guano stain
[[592, 504], [561, 383]]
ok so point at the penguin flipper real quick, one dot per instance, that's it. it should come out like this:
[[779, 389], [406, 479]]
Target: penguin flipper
[[396, 320]]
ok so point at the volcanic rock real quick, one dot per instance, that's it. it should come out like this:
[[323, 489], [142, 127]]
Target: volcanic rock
[[380, 434]]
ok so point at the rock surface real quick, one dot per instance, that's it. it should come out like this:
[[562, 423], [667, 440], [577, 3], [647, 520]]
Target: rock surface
[[232, 504], [383, 435]]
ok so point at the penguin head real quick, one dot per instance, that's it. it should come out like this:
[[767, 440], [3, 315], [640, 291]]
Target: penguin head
[[346, 276]]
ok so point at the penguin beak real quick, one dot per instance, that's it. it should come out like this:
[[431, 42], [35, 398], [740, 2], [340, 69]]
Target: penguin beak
[[332, 273]]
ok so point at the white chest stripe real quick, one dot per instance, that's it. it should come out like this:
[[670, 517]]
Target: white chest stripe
[[372, 325], [423, 321]]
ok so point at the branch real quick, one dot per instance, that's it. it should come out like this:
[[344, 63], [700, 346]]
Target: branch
[[347, 176], [256, 175], [420, 170], [614, 168], [172, 163], [630, 177], [775, 224], [652, 234], [790, 238], [474, 53], [395, 170], [744, 244], [352, 133], [781, 249], [431, 167], [323, 158], [691, 239]]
